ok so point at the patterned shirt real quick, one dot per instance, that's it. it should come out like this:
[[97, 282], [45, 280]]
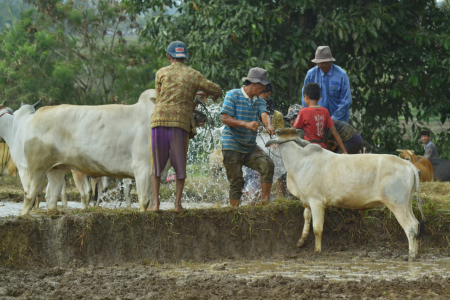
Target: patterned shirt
[[430, 150], [334, 91], [237, 105], [176, 87], [345, 131]]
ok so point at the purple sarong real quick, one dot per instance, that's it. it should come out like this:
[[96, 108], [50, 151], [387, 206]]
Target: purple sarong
[[169, 142]]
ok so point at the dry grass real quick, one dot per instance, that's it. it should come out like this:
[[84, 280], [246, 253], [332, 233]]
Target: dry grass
[[437, 193]]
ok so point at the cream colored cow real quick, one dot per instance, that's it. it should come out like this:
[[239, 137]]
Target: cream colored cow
[[108, 140], [320, 179]]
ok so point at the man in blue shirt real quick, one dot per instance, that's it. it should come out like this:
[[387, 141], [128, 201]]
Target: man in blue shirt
[[241, 110], [334, 85]]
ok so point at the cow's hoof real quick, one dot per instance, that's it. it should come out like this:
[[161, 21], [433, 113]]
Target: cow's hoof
[[300, 243], [411, 258]]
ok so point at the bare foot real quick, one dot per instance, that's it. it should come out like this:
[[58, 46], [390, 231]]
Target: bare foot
[[153, 208]]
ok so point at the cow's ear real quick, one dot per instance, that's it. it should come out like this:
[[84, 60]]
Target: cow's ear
[[399, 150], [412, 151]]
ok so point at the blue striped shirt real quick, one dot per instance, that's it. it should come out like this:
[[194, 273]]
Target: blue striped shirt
[[237, 105]]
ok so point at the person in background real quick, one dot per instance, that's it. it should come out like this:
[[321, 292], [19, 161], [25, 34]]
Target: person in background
[[334, 85], [429, 146], [349, 135], [241, 110], [276, 117], [172, 121], [292, 113], [314, 118], [277, 121]]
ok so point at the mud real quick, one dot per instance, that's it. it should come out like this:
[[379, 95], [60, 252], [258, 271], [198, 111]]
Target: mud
[[232, 279], [220, 253]]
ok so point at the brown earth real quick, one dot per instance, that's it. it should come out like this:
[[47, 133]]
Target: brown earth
[[150, 282], [122, 254]]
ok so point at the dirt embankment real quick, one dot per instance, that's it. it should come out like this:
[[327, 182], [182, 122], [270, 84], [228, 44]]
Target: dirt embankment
[[103, 237]]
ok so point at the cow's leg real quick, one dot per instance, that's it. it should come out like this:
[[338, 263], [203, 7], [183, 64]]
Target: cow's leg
[[83, 186], [318, 213], [37, 202], [35, 186], [143, 186], [410, 225], [127, 191], [307, 217], [54, 187], [63, 193]]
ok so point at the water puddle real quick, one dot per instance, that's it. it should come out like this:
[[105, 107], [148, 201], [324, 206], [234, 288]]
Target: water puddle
[[333, 269]]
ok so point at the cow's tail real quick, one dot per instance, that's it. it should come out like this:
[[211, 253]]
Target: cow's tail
[[419, 200]]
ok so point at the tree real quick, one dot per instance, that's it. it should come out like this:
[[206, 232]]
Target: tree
[[395, 52], [74, 52], [9, 11]]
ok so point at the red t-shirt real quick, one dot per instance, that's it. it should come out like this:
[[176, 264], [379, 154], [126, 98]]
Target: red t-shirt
[[313, 121]]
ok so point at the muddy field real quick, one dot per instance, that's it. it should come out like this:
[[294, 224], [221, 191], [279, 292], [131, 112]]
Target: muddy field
[[223, 253], [228, 280]]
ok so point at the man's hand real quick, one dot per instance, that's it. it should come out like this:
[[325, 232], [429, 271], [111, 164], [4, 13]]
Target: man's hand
[[252, 125], [270, 130]]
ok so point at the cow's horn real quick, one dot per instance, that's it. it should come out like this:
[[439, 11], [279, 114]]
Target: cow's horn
[[3, 103], [22, 103], [301, 142], [271, 142], [399, 150], [37, 104]]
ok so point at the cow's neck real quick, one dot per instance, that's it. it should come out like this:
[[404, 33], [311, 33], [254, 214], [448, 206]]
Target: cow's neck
[[5, 128]]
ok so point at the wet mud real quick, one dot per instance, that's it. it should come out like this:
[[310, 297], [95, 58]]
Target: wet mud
[[219, 253], [355, 277]]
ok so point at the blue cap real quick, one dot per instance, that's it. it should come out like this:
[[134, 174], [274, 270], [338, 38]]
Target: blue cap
[[177, 49]]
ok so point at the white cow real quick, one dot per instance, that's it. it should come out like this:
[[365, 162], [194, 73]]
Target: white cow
[[108, 140], [320, 179]]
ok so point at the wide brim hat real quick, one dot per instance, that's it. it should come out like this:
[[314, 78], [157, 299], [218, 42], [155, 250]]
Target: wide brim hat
[[257, 75], [323, 54]]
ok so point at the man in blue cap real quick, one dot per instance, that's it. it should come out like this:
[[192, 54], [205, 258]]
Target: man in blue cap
[[334, 85], [176, 87]]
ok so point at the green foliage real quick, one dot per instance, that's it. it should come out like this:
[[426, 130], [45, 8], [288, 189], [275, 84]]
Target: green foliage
[[396, 53], [10, 11], [74, 52]]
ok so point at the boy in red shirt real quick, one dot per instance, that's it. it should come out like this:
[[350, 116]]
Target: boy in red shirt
[[313, 119]]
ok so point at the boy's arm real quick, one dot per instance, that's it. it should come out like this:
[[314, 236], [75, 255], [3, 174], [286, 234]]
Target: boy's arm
[[338, 139]]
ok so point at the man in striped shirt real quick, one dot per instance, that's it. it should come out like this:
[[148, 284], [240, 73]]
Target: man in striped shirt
[[241, 110]]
